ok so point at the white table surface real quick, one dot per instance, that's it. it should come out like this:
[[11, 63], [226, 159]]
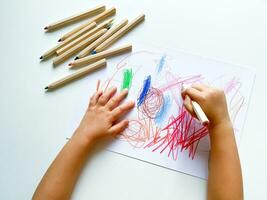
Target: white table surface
[[34, 124]]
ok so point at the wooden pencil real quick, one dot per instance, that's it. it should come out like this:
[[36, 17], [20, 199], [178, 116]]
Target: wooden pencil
[[79, 73], [59, 59], [104, 54], [120, 33], [52, 51], [88, 50], [105, 24], [75, 18], [104, 15]]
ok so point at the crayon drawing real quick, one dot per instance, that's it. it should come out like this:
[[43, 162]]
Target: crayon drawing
[[161, 131]]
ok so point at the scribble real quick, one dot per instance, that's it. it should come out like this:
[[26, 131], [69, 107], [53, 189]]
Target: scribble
[[152, 103], [161, 124], [161, 63], [163, 111], [181, 133], [127, 79], [136, 133], [144, 91]]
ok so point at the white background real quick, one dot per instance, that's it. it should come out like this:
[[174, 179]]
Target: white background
[[34, 124]]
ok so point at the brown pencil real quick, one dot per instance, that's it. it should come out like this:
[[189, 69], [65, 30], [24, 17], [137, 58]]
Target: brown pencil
[[104, 15], [59, 59], [52, 51], [104, 54], [120, 33], [75, 18], [105, 24], [88, 50], [79, 73]]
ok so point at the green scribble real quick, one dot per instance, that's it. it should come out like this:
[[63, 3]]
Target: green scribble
[[127, 79]]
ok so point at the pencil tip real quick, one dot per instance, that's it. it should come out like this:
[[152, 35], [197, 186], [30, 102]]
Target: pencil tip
[[93, 52], [41, 57], [70, 64], [110, 25], [60, 40], [76, 58], [46, 87], [45, 28]]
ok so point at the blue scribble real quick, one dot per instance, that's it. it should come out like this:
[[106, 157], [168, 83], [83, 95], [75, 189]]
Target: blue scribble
[[143, 93], [163, 111], [161, 63]]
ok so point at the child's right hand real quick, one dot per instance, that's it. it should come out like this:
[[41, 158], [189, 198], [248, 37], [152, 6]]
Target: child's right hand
[[210, 99]]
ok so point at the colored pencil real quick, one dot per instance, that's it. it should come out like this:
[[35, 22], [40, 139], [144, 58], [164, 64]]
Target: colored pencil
[[59, 59], [88, 50], [52, 51], [104, 15], [75, 18], [79, 73], [120, 33], [105, 24], [104, 54]]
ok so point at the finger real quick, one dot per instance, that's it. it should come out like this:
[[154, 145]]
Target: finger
[[115, 101], [119, 127], [188, 106], [122, 110], [193, 93], [200, 87], [95, 97], [107, 95]]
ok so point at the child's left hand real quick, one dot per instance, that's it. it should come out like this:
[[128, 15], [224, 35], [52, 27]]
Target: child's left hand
[[103, 113]]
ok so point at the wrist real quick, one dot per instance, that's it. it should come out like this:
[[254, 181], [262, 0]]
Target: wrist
[[223, 128], [82, 139], [220, 121]]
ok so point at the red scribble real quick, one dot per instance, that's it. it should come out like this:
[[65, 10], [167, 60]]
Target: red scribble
[[136, 134], [182, 133], [179, 80], [236, 100], [152, 103]]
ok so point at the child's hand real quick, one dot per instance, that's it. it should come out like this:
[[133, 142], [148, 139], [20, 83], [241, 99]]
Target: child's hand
[[211, 100], [103, 113]]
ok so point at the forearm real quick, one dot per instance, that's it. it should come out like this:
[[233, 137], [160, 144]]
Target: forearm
[[225, 178], [101, 120], [60, 178]]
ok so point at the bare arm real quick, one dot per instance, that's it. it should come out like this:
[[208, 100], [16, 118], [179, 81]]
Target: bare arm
[[99, 121], [225, 177]]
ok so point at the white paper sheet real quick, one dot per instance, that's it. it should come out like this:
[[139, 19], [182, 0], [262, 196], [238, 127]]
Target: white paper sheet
[[161, 131]]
